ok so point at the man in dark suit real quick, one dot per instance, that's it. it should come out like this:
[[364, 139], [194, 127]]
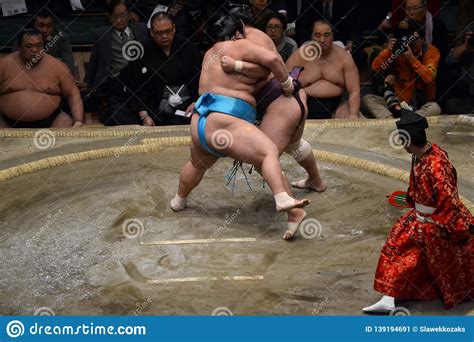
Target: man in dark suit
[[115, 47]]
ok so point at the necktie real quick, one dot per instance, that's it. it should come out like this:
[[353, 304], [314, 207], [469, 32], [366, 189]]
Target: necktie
[[327, 12], [124, 37]]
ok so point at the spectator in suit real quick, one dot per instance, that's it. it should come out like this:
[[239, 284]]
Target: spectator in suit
[[166, 80], [114, 48]]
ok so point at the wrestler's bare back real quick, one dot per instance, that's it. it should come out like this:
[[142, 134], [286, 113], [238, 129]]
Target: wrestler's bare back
[[217, 81], [30, 94]]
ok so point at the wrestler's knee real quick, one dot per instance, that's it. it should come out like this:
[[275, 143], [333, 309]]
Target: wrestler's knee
[[201, 164], [272, 151], [300, 150]]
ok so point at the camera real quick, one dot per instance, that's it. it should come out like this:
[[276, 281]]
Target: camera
[[406, 33], [401, 34], [392, 101]]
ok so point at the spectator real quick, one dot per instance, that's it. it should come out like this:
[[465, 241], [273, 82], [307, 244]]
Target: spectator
[[275, 27], [260, 13], [169, 72], [411, 73], [108, 58], [57, 43], [460, 64], [435, 30], [325, 79], [302, 13], [32, 85]]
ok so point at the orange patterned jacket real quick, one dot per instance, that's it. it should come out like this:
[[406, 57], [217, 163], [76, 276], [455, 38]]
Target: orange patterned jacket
[[411, 73]]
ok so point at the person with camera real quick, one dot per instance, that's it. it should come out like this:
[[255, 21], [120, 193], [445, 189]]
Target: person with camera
[[460, 63], [410, 66]]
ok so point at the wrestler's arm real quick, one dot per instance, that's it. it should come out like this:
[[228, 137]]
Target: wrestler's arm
[[251, 70], [351, 79], [70, 90], [254, 53]]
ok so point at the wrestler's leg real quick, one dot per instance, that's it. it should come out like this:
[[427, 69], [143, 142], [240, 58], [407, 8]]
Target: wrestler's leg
[[191, 175], [252, 146], [194, 170], [279, 124], [62, 121], [280, 121], [304, 157]]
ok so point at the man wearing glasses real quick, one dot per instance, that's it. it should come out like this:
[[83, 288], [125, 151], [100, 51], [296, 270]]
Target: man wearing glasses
[[166, 80], [109, 57], [435, 30]]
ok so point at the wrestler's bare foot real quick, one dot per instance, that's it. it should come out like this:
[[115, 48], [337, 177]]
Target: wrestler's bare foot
[[317, 185], [295, 217], [178, 203], [284, 202]]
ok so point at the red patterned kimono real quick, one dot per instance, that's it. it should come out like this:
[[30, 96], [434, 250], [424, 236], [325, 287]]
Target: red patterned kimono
[[429, 252]]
